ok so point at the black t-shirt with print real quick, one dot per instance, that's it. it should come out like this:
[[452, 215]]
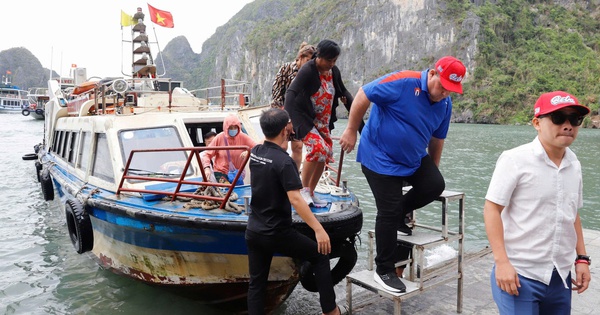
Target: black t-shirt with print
[[273, 174]]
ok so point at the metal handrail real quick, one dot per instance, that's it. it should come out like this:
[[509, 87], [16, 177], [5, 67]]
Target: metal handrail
[[195, 152]]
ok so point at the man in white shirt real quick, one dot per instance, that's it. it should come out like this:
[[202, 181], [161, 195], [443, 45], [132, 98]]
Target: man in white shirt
[[531, 215]]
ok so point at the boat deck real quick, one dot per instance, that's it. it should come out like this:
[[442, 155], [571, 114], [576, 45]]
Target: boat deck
[[477, 296]]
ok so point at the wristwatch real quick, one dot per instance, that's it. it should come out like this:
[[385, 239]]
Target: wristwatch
[[581, 258]]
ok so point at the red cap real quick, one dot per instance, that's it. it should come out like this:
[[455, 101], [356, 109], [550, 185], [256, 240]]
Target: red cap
[[452, 72], [553, 101]]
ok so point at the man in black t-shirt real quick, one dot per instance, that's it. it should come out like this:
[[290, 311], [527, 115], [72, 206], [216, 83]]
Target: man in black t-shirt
[[276, 187]]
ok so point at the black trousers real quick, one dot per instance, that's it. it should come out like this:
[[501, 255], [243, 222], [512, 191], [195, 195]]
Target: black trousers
[[392, 206], [288, 242]]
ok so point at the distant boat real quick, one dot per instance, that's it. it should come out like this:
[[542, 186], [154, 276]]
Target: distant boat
[[12, 98], [38, 97], [123, 154]]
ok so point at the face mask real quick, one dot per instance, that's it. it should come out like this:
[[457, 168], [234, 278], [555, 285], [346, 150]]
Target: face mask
[[232, 133]]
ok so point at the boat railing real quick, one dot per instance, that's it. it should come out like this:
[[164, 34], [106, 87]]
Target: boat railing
[[229, 92], [193, 153]]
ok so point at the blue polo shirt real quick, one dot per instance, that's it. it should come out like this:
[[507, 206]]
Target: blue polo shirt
[[401, 123]]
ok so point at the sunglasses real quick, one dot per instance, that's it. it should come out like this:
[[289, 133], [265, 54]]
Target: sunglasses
[[559, 118]]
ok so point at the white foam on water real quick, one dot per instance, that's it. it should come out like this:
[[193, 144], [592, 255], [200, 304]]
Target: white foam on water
[[439, 254]]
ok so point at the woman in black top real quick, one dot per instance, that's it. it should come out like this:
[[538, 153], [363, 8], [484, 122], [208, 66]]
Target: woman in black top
[[311, 100]]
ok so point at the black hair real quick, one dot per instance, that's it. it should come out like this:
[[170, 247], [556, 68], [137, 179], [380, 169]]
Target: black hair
[[210, 134], [327, 49], [272, 121]]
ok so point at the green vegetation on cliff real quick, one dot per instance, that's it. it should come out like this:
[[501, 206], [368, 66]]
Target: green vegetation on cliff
[[527, 48]]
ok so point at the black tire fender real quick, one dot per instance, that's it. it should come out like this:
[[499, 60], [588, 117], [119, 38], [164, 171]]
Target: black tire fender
[[39, 111], [29, 157], [345, 251], [79, 226], [47, 186], [25, 112], [339, 225], [38, 170]]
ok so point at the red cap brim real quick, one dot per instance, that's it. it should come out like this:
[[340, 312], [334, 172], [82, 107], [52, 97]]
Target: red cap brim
[[451, 86]]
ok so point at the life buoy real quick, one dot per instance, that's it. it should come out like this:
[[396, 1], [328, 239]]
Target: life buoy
[[47, 186], [25, 112], [79, 226], [29, 156], [38, 169], [39, 111], [345, 251]]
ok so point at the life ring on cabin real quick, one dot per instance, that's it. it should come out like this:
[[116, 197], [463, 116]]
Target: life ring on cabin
[[39, 111], [29, 156], [47, 186], [345, 251], [79, 226], [38, 169], [25, 112]]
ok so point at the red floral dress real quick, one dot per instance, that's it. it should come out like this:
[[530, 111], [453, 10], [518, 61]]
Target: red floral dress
[[318, 141]]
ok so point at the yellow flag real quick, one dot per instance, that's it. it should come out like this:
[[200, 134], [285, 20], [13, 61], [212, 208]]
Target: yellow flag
[[126, 19]]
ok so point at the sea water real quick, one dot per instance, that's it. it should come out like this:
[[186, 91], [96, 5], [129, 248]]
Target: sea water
[[40, 272]]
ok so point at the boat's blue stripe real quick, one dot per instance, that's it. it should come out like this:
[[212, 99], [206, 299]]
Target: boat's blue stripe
[[164, 237]]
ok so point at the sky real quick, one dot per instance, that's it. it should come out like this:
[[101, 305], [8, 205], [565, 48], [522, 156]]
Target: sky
[[62, 33]]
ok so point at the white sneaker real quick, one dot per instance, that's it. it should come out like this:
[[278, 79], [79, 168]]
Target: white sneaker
[[318, 202], [390, 282], [305, 192]]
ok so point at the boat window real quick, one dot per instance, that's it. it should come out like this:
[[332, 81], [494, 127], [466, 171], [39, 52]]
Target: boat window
[[65, 144], [59, 146], [164, 163], [102, 166], [197, 131], [72, 146], [55, 141], [84, 151]]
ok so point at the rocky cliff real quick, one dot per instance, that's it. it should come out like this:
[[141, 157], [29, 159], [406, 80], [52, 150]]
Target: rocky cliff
[[376, 37]]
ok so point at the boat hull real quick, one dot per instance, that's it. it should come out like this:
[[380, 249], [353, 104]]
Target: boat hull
[[206, 265]]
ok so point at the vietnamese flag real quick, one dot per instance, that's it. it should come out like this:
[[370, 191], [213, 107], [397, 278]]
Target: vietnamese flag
[[8, 72], [160, 17]]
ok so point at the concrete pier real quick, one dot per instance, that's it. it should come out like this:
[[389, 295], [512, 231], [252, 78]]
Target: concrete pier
[[477, 295]]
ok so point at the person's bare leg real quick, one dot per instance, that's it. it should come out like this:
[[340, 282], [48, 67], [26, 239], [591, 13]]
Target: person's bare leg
[[316, 176], [399, 272], [297, 153], [308, 168]]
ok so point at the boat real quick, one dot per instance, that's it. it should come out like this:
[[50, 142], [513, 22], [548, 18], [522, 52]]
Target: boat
[[122, 154], [38, 97], [12, 98]]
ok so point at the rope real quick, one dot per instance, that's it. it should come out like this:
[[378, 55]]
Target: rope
[[230, 206], [327, 186]]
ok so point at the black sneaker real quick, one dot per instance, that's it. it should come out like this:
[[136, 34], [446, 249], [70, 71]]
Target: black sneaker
[[404, 230], [390, 282]]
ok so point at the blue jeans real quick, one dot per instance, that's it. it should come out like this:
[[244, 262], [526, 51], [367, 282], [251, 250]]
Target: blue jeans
[[291, 243], [392, 206], [534, 297]]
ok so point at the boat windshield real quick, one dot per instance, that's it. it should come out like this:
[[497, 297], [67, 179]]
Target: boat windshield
[[159, 164]]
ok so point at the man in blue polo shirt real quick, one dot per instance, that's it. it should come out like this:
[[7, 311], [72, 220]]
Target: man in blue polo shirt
[[402, 142]]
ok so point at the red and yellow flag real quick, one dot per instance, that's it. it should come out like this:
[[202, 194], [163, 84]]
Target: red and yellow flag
[[8, 72], [160, 17]]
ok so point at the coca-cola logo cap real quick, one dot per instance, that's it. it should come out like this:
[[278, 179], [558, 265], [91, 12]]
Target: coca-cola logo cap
[[553, 101]]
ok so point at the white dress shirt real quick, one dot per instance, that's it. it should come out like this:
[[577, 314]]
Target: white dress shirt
[[541, 202]]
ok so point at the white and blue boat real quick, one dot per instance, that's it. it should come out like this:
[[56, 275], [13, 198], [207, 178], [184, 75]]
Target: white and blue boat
[[122, 157], [12, 98]]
